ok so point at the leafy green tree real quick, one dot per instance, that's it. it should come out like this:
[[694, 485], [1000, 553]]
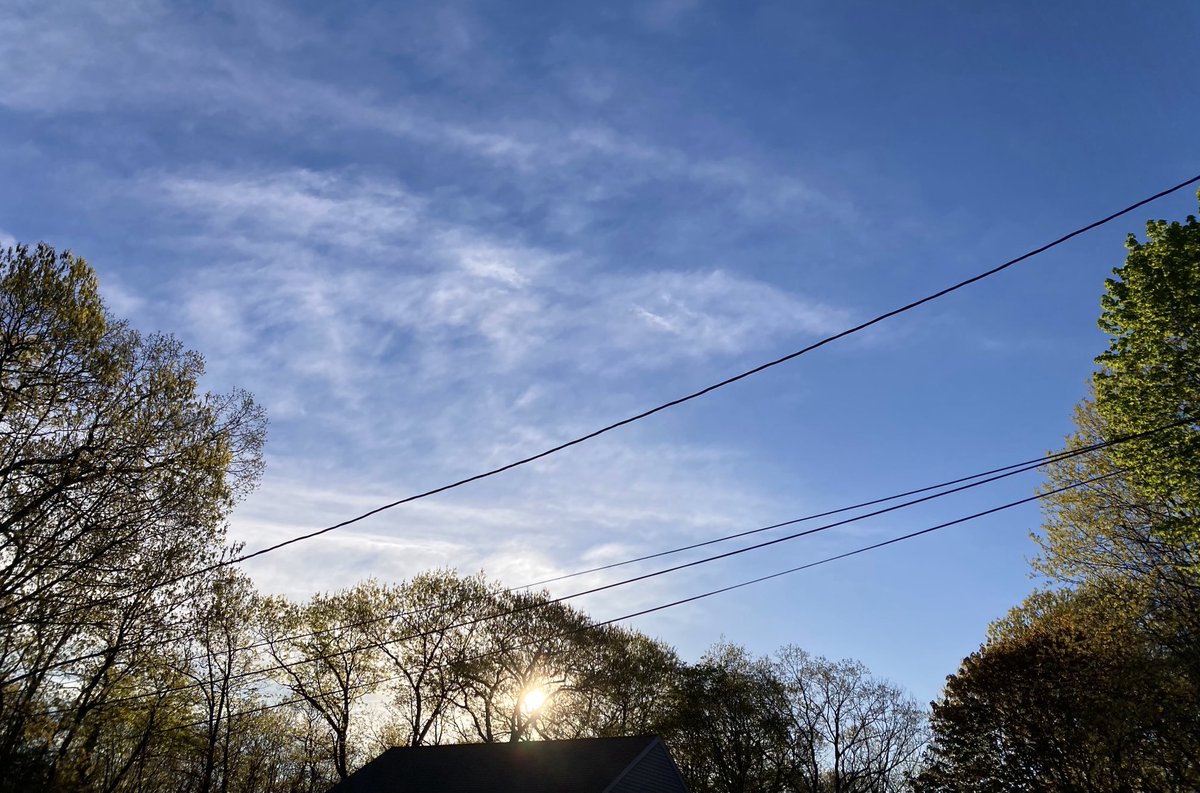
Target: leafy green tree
[[424, 641], [1150, 374], [326, 659], [459, 664], [527, 644], [1105, 536], [1095, 685], [620, 686], [220, 665]]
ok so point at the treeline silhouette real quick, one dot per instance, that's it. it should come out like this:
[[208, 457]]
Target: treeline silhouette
[[265, 694]]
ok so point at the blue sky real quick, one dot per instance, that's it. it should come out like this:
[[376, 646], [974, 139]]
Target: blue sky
[[433, 237]]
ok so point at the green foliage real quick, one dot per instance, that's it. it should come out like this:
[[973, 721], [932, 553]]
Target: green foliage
[[424, 644], [327, 659], [1066, 695], [449, 658], [621, 686], [1107, 537], [730, 729], [794, 723], [1150, 374]]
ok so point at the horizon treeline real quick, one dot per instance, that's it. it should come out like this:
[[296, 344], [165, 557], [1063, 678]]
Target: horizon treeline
[[242, 692]]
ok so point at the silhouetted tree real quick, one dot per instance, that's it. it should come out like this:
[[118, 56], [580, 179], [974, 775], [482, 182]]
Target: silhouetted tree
[[116, 476]]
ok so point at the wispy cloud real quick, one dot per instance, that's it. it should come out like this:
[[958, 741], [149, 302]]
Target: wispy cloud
[[379, 333], [319, 210], [141, 55], [440, 283]]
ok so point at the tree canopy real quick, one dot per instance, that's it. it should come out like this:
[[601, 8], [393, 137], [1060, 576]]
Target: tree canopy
[[1067, 694], [1149, 376]]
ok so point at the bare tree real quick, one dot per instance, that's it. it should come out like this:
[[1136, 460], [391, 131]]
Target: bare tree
[[851, 732]]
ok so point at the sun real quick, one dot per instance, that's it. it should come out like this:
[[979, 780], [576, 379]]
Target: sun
[[532, 699]]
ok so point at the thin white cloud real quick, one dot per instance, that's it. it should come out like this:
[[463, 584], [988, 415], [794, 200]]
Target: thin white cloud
[[591, 508], [139, 54], [704, 313], [296, 205], [441, 284], [407, 349]]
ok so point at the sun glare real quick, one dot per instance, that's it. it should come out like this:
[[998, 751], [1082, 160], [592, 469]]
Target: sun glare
[[532, 700]]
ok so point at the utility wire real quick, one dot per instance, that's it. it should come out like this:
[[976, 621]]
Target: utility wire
[[995, 474], [1026, 465], [674, 603], [985, 477], [694, 395], [703, 391], [539, 604]]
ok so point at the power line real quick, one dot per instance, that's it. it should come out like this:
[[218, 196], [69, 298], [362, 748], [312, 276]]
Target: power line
[[996, 473], [694, 395], [532, 606], [1024, 466], [683, 601], [985, 477], [702, 392]]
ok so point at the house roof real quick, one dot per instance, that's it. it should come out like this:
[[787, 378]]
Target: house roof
[[585, 765]]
